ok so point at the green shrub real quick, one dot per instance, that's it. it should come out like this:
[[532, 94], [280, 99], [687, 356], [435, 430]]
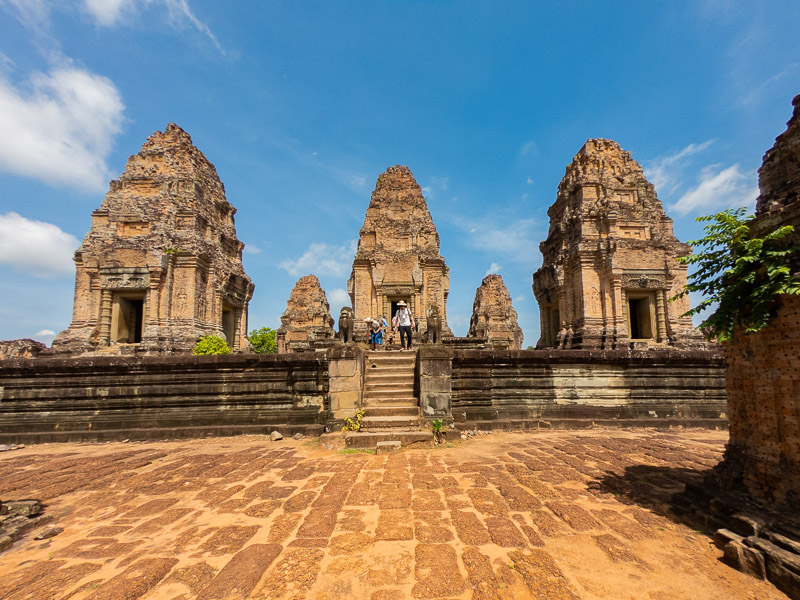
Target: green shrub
[[211, 344], [263, 340], [741, 274]]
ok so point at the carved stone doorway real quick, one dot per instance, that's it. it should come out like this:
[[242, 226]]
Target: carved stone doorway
[[394, 307], [641, 316], [127, 317], [229, 323]]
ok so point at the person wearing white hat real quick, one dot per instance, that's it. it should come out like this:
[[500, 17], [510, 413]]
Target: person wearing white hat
[[404, 321]]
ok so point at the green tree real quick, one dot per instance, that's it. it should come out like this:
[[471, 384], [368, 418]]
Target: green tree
[[263, 340], [740, 273], [211, 344]]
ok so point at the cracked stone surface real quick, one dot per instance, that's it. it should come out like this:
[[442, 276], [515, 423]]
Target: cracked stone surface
[[537, 515]]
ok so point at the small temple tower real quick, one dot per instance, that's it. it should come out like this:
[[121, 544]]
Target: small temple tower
[[307, 318], [493, 316], [161, 264], [610, 260], [398, 255]]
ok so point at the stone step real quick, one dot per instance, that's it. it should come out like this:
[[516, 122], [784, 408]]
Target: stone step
[[391, 364], [363, 439], [408, 400], [382, 423], [390, 359], [393, 410], [383, 377], [382, 394], [388, 385], [388, 376], [407, 365]]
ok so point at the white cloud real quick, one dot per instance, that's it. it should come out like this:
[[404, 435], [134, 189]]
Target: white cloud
[[494, 268], [718, 189], [519, 299], [252, 249], [529, 181], [436, 184], [529, 148], [517, 240], [665, 172], [108, 12], [40, 248], [756, 92], [60, 128], [180, 12], [35, 14], [339, 296], [357, 182], [323, 259], [46, 336]]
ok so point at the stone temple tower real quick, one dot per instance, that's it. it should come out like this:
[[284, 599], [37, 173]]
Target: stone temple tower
[[307, 319], [398, 255], [161, 264], [493, 316], [610, 263]]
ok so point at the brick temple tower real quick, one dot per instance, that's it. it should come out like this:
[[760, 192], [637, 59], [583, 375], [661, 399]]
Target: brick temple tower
[[398, 255], [161, 264], [610, 260]]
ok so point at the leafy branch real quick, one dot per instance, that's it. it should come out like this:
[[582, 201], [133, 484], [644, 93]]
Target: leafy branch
[[740, 273]]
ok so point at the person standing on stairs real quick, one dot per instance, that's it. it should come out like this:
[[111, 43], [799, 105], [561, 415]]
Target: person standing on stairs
[[375, 335], [404, 322]]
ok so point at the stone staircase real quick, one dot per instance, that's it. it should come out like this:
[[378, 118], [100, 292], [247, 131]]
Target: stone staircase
[[392, 411]]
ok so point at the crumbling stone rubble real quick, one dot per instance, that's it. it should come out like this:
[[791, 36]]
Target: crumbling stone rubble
[[610, 259], [25, 348], [161, 264], [493, 316], [17, 518], [307, 319]]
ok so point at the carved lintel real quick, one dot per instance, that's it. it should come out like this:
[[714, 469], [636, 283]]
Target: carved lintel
[[644, 281], [112, 281], [397, 290]]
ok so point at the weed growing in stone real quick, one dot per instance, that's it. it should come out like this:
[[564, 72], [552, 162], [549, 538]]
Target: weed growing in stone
[[354, 424]]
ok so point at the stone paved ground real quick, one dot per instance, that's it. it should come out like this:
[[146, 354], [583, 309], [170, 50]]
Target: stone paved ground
[[557, 515]]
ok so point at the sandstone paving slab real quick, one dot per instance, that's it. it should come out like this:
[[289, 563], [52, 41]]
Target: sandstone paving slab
[[551, 515]]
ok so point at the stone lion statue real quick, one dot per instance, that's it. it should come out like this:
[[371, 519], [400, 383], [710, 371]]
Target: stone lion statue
[[433, 334], [346, 324]]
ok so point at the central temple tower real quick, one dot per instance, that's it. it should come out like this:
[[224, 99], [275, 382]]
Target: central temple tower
[[398, 255]]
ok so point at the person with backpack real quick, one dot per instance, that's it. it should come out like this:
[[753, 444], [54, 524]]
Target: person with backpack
[[404, 321]]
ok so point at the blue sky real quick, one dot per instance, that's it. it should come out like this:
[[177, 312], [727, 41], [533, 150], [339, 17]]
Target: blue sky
[[301, 105]]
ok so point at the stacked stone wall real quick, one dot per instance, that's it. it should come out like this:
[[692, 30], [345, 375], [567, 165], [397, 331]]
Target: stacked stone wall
[[106, 398], [573, 389]]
